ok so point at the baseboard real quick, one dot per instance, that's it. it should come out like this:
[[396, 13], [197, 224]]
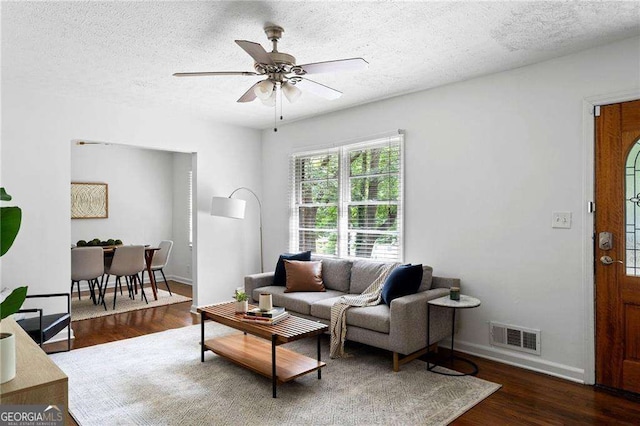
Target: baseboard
[[521, 360], [181, 280]]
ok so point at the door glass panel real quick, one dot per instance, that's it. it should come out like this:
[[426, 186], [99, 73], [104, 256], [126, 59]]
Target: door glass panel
[[632, 211]]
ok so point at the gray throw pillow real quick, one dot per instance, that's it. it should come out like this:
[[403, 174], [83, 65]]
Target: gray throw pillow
[[364, 273], [336, 273], [427, 278]]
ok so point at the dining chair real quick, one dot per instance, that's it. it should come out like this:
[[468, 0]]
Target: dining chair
[[160, 260], [87, 264], [128, 262]]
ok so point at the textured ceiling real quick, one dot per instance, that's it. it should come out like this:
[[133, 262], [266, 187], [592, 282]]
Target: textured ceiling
[[125, 52]]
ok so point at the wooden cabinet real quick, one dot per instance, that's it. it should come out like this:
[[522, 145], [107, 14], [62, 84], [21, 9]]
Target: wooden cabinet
[[38, 379]]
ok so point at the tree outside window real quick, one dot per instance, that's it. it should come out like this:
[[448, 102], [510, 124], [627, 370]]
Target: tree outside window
[[347, 201]]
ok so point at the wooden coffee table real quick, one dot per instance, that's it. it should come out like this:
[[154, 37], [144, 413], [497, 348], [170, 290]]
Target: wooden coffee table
[[257, 354]]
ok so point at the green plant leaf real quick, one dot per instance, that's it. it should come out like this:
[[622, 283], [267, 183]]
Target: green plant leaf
[[13, 302], [10, 220], [240, 296], [4, 196]]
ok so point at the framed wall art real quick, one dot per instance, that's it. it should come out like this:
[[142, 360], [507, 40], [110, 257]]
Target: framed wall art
[[89, 200]]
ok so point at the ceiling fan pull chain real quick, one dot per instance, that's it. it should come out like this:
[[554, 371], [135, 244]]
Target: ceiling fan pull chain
[[281, 101], [275, 109], [275, 114]]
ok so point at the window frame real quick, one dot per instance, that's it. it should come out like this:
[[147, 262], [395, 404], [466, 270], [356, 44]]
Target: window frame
[[344, 196], [296, 190], [190, 206]]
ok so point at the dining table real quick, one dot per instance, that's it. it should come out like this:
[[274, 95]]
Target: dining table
[[149, 252]]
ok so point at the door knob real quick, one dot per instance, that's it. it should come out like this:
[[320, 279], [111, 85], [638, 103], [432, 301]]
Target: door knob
[[607, 260]]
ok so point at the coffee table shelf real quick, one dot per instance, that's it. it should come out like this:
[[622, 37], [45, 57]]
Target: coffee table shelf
[[255, 354], [257, 349]]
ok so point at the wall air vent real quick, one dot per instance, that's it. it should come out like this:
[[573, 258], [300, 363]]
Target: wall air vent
[[514, 337]]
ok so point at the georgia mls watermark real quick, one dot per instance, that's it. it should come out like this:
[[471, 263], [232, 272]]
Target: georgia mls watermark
[[31, 415]]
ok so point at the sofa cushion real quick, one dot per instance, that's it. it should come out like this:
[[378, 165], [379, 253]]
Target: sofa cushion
[[427, 278], [295, 302], [402, 281], [303, 276], [336, 273], [280, 275], [364, 273], [374, 318]]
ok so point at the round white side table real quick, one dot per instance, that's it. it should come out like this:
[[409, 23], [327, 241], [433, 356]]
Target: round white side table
[[465, 302]]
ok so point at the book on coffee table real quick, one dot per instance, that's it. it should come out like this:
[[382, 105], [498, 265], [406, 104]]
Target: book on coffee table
[[264, 320], [272, 313]]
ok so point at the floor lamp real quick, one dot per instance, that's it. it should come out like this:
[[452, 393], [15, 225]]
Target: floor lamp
[[235, 208]]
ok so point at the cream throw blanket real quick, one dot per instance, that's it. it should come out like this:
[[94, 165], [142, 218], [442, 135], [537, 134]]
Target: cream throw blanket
[[370, 297]]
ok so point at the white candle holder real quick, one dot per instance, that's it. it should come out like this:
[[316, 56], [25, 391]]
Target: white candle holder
[[265, 303]]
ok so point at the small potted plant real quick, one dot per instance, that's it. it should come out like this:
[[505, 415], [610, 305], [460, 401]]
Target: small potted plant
[[10, 220], [242, 303]]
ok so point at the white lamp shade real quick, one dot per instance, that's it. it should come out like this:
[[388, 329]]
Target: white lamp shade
[[264, 89], [271, 100], [291, 92], [228, 207]]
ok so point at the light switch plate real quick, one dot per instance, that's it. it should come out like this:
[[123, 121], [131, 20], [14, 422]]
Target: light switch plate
[[561, 220]]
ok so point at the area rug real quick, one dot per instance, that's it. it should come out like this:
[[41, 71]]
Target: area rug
[[84, 309], [158, 379]]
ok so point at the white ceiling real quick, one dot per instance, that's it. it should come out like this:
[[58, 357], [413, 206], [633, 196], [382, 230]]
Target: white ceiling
[[125, 52]]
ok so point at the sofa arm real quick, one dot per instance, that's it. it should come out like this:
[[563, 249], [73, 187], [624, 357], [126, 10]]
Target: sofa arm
[[408, 321], [251, 282]]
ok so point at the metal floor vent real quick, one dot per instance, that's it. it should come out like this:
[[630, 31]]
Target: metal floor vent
[[514, 337]]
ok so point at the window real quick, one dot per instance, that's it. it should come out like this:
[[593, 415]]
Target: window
[[315, 210], [347, 201], [190, 205], [632, 204]]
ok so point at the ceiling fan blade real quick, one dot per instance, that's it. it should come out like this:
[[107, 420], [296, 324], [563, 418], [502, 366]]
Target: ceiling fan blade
[[212, 73], [249, 95], [318, 89], [90, 143], [256, 51], [353, 64]]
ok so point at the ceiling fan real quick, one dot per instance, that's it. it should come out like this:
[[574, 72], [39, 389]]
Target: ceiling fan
[[282, 73]]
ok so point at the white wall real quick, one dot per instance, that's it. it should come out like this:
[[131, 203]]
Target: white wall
[[140, 192], [487, 161], [36, 132]]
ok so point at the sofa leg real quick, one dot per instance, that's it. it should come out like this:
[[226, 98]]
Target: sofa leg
[[397, 361]]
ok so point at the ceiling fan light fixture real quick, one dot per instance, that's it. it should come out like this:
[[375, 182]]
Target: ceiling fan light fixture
[[271, 100], [291, 92], [264, 90], [282, 74]]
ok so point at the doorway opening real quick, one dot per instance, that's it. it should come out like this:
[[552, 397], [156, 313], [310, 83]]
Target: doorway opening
[[151, 198]]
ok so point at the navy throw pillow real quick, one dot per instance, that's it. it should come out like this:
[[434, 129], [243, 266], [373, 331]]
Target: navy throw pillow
[[280, 276], [402, 281]]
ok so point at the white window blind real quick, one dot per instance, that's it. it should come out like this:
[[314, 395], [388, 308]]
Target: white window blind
[[190, 206], [315, 202], [348, 201]]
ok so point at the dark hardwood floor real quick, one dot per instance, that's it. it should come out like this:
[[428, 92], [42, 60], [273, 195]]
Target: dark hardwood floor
[[131, 324], [526, 398]]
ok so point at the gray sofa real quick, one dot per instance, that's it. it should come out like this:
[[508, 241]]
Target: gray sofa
[[400, 328]]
